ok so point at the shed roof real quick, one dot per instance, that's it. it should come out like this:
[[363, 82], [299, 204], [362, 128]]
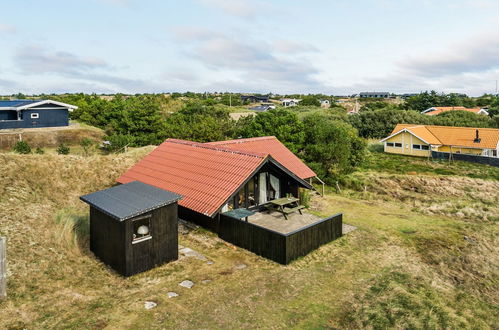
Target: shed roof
[[130, 200], [274, 147]]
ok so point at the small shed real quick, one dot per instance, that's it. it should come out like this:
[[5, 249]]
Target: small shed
[[133, 227]]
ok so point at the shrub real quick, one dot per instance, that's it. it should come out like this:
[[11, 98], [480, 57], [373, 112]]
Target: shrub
[[117, 143], [86, 144], [22, 147], [39, 151], [63, 149]]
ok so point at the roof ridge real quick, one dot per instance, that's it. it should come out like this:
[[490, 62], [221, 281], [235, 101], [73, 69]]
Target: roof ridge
[[217, 148], [426, 128], [461, 127], [236, 141]]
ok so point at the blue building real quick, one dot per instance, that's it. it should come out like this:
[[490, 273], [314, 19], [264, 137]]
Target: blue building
[[34, 113]]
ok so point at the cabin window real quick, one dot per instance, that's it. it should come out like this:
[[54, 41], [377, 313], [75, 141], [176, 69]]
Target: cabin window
[[424, 147], [398, 145], [251, 192], [416, 146], [141, 229], [390, 144], [241, 199], [35, 115]]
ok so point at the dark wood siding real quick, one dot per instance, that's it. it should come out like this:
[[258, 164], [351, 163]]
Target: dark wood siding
[[111, 241], [161, 248], [304, 240], [281, 248], [107, 237], [259, 240], [198, 218]]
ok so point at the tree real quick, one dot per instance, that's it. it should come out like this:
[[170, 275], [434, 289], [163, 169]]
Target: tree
[[198, 122], [462, 119], [378, 124], [310, 101], [283, 124], [331, 147]]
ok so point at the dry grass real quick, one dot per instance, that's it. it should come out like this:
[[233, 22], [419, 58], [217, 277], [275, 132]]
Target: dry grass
[[399, 269], [462, 197], [50, 137]]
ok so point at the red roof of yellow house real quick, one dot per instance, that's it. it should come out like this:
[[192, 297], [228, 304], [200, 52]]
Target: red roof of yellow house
[[439, 110], [452, 136]]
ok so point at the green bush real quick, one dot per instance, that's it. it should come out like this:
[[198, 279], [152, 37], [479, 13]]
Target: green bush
[[117, 143], [39, 151], [63, 149], [22, 147], [86, 144]]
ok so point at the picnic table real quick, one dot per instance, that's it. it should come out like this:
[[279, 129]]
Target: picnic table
[[287, 205]]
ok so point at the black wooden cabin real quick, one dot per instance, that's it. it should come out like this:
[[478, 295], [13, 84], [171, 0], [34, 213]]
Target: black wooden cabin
[[133, 227]]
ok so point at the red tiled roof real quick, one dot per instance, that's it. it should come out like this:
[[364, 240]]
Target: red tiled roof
[[272, 146], [205, 175], [439, 110]]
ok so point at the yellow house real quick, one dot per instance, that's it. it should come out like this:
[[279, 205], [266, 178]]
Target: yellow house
[[419, 140]]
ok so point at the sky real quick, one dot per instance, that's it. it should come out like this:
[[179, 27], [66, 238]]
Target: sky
[[335, 47]]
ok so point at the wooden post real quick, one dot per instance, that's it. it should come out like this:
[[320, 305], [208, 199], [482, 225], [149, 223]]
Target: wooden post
[[3, 268]]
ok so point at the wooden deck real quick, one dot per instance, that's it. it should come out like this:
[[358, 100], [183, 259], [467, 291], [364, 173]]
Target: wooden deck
[[274, 220]]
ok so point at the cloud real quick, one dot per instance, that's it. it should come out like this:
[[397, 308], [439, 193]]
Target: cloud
[[241, 8], [475, 55], [255, 62], [37, 59], [6, 28]]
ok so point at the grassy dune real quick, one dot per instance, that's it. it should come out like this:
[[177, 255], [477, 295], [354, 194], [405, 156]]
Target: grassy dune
[[402, 268]]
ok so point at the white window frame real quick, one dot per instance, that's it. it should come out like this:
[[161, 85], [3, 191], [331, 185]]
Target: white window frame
[[35, 115], [143, 238]]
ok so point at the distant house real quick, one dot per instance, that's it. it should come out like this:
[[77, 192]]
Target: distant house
[[433, 111], [325, 104], [421, 140], [407, 95], [254, 98], [34, 113], [262, 107], [380, 95], [289, 102]]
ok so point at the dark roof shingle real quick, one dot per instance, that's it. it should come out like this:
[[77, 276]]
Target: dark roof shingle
[[130, 200]]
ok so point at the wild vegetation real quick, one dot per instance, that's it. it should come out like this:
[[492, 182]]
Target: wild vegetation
[[406, 266]]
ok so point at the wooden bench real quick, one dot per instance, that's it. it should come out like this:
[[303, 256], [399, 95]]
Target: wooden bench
[[288, 210]]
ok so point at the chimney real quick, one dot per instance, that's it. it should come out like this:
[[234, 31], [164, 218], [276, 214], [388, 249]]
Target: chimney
[[477, 137]]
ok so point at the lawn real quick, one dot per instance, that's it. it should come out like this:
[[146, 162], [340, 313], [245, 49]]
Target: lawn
[[400, 269]]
